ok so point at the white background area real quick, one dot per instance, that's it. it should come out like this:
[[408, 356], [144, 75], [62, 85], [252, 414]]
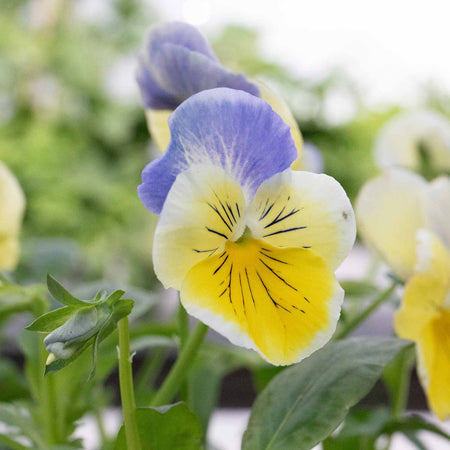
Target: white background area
[[390, 47]]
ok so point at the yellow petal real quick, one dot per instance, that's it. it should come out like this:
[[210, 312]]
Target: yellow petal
[[389, 210], [12, 203], [157, 122], [426, 291], [285, 303], [306, 210], [9, 252], [434, 364], [203, 210], [282, 109]]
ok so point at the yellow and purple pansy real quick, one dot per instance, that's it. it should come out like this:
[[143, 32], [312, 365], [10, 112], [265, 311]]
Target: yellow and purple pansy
[[176, 62], [251, 245]]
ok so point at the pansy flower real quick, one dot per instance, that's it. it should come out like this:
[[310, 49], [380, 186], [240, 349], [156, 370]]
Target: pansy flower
[[406, 220], [393, 206], [175, 62], [424, 317], [12, 206], [418, 141], [251, 245]]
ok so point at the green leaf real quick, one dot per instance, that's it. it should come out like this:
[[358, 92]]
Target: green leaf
[[213, 363], [18, 416], [54, 319], [11, 444], [166, 428], [396, 376], [361, 429], [63, 295], [13, 385], [411, 424], [263, 375], [305, 403], [14, 299]]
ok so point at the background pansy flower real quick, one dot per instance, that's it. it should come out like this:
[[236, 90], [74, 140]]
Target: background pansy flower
[[175, 62], [406, 220], [12, 207], [418, 141], [310, 159], [393, 206], [424, 317], [251, 245]]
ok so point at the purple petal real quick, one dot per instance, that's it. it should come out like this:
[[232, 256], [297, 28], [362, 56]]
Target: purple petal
[[224, 127], [176, 62]]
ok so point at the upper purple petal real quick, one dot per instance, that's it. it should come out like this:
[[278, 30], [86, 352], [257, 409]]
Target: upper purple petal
[[224, 127], [177, 62]]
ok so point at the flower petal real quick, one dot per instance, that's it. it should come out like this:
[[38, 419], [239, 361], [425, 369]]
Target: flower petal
[[281, 108], [12, 203], [438, 207], [184, 73], [304, 210], [434, 364], [426, 291], [177, 62], [202, 210], [9, 252], [157, 121], [398, 144], [226, 128], [390, 209], [284, 303]]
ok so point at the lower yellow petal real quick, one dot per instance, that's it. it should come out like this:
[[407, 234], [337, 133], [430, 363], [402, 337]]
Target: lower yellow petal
[[285, 303], [426, 291], [434, 364], [157, 122], [282, 109]]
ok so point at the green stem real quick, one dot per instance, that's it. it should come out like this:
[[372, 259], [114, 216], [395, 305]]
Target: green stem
[[48, 400], [363, 315], [126, 387], [183, 325], [150, 370], [178, 372], [183, 331], [400, 401]]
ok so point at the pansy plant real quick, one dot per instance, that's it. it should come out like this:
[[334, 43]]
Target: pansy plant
[[251, 245], [406, 220], [176, 62]]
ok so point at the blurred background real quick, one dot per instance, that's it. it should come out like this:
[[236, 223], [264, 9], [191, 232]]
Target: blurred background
[[74, 133]]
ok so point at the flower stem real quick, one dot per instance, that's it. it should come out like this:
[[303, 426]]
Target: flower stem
[[126, 387], [400, 401], [183, 325], [363, 315], [178, 372], [48, 400]]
